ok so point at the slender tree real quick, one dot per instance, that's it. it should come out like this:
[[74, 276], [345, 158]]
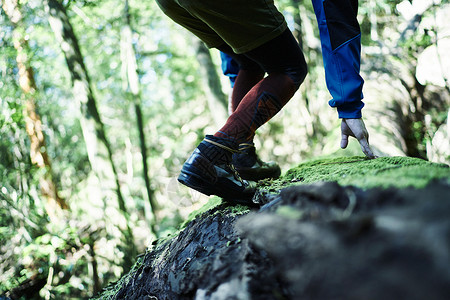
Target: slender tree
[[132, 88], [217, 100], [412, 112], [298, 32], [98, 146], [312, 124], [38, 148]]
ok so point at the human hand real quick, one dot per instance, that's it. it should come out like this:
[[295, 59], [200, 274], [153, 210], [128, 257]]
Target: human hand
[[356, 129]]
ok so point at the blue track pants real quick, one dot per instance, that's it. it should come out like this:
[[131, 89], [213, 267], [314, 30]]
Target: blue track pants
[[340, 36]]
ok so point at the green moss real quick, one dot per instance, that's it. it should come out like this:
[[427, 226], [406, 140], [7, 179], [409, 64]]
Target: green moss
[[364, 173], [289, 212], [111, 290], [238, 209], [212, 202]]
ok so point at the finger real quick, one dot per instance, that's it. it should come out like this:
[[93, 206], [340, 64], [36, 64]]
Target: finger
[[353, 127], [344, 141], [366, 148]]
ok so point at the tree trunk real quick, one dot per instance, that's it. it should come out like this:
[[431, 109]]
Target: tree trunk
[[312, 124], [131, 86], [94, 265], [98, 146], [38, 149], [298, 32], [217, 100], [309, 241], [414, 127], [413, 134]]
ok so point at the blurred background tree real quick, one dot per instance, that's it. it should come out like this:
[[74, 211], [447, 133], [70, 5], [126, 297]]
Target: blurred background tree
[[120, 114]]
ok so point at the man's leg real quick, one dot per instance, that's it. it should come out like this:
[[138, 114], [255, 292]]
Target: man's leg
[[283, 60], [246, 74], [209, 169], [270, 45], [258, 106], [246, 161], [340, 37], [257, 28]]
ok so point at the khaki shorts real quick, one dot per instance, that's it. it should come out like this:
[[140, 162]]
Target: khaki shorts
[[242, 24]]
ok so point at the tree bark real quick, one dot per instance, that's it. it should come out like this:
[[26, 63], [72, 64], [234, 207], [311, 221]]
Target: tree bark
[[38, 148], [311, 241], [132, 88]]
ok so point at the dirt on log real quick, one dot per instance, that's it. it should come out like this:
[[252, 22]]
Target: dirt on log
[[312, 241]]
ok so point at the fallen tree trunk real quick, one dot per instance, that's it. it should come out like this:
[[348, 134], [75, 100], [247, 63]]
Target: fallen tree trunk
[[311, 241]]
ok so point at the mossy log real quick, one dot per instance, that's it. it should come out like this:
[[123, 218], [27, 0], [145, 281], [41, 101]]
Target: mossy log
[[311, 240]]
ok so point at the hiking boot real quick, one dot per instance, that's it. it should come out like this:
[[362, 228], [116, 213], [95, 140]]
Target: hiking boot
[[209, 171], [251, 167]]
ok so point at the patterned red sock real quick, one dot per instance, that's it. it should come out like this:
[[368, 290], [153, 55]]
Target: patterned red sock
[[245, 80], [258, 106]]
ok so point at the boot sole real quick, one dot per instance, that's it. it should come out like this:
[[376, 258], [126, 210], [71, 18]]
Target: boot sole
[[254, 175], [195, 182]]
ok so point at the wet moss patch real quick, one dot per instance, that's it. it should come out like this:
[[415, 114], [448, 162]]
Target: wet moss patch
[[365, 173]]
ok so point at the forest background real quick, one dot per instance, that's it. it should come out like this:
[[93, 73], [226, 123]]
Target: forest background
[[102, 101]]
